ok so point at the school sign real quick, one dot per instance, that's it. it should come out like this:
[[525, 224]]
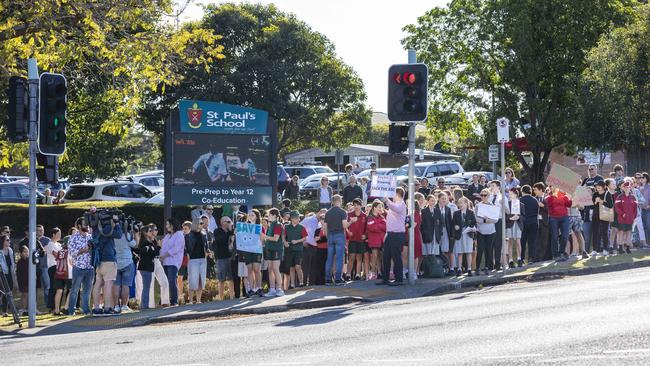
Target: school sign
[[209, 117]]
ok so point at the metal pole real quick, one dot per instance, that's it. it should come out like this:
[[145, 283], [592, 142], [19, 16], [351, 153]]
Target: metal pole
[[503, 198], [32, 72], [412, 59]]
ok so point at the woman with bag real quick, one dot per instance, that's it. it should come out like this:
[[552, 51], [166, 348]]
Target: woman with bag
[[626, 211], [603, 215]]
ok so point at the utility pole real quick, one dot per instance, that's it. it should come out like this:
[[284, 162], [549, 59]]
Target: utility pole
[[411, 60], [32, 72]]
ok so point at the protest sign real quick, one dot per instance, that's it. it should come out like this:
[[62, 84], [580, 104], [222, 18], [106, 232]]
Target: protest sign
[[383, 186], [488, 211], [563, 178], [582, 196], [248, 237]]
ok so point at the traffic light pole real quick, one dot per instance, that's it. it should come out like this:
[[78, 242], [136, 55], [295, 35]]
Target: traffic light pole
[[32, 71], [411, 202]]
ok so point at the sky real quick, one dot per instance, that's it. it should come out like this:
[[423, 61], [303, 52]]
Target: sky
[[366, 33]]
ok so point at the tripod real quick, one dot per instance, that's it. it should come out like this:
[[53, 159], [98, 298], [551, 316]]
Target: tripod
[[7, 294]]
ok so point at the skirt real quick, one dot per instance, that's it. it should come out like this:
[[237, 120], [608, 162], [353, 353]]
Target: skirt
[[464, 245], [430, 249], [514, 232], [444, 242]]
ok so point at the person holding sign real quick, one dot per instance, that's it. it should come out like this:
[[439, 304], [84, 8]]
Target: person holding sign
[[254, 260], [294, 237], [558, 204], [486, 236], [395, 238]]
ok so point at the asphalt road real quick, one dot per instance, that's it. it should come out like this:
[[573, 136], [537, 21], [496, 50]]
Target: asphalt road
[[590, 320]]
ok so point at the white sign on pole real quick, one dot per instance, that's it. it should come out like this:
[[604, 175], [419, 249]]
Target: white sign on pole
[[503, 130], [493, 153], [383, 186], [248, 237]]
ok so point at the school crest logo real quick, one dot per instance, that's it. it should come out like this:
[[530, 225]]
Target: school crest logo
[[194, 115]]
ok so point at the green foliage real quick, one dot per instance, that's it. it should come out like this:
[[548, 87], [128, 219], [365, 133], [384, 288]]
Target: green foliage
[[64, 215], [277, 63], [111, 53], [516, 58], [616, 91]]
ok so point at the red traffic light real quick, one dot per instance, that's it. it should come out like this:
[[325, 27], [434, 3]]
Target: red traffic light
[[409, 78]]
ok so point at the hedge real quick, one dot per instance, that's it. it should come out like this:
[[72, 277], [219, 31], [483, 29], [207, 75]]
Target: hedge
[[64, 215]]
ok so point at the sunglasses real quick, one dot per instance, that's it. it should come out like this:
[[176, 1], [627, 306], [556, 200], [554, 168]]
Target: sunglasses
[[591, 168], [508, 172], [484, 195]]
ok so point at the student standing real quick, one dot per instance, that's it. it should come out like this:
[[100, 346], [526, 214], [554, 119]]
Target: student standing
[[513, 229], [485, 237], [443, 228], [294, 238], [376, 229], [626, 211], [356, 233], [273, 253], [530, 216], [463, 219]]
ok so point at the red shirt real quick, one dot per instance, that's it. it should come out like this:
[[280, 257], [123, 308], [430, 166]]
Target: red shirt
[[376, 231], [357, 229], [558, 206], [626, 208]]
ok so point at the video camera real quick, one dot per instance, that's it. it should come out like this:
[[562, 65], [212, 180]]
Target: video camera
[[103, 217]]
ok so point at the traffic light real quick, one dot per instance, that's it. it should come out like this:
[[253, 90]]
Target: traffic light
[[52, 114], [48, 168], [407, 93], [397, 138], [17, 110]]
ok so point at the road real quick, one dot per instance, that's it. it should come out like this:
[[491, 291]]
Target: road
[[590, 320]]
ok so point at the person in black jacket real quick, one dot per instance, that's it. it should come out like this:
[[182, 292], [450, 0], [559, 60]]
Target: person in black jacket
[[426, 227], [530, 216], [474, 189], [147, 250], [443, 228], [464, 242], [599, 228], [292, 190], [352, 190], [196, 245]]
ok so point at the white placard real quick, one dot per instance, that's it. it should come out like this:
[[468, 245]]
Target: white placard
[[516, 208], [248, 237], [503, 130], [488, 211], [383, 186]]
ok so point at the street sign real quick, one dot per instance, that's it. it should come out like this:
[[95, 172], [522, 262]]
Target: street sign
[[503, 130], [339, 157], [493, 153]]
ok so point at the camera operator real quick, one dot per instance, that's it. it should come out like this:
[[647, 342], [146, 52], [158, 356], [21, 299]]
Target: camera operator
[[125, 265], [108, 229]]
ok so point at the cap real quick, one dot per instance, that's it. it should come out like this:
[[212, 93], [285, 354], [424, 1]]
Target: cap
[[285, 211], [294, 214]]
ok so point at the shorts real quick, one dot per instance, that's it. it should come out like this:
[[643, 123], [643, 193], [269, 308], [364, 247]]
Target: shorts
[[250, 258], [242, 270], [197, 270], [514, 232], [624, 227], [357, 247], [576, 222], [125, 276], [107, 271], [222, 268], [272, 255], [293, 258], [61, 284]]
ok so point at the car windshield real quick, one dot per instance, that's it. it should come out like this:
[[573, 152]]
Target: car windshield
[[323, 170], [419, 171], [79, 192]]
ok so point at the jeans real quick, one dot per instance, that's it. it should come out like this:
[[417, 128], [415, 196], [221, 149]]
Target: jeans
[[45, 280], [146, 285], [335, 246], [586, 232], [393, 252], [81, 278], [498, 244], [561, 223], [529, 238], [484, 247], [172, 273]]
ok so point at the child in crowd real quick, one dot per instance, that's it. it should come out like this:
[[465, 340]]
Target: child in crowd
[[513, 229], [22, 274], [464, 222], [294, 237]]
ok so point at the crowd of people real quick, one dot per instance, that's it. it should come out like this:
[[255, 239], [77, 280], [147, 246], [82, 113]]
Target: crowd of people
[[351, 237]]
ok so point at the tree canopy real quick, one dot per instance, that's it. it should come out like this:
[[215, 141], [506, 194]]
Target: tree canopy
[[521, 59], [277, 63], [112, 53]]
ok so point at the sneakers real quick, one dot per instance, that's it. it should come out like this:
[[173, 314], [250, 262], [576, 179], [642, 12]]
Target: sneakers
[[357, 278], [339, 283], [110, 311], [594, 253], [520, 262], [117, 309], [605, 253], [328, 282], [628, 251], [260, 293], [272, 293], [585, 255], [279, 293], [125, 309], [98, 312]]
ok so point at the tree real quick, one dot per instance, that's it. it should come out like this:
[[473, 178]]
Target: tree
[[111, 53], [276, 63], [616, 93], [516, 58]]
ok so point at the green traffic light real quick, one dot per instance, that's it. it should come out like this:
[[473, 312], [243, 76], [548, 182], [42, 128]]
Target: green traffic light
[[56, 121]]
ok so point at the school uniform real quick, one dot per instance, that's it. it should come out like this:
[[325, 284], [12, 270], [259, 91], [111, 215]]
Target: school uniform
[[443, 229], [427, 229], [464, 242]]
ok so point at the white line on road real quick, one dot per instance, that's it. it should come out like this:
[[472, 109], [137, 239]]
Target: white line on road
[[288, 363], [398, 360], [513, 356], [639, 350]]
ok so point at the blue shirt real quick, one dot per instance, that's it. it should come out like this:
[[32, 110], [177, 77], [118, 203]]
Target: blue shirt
[[106, 244]]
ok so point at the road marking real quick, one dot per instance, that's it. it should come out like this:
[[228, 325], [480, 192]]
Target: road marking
[[398, 360], [289, 363], [512, 356], [639, 350]]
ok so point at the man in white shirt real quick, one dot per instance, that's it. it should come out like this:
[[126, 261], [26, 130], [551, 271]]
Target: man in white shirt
[[311, 224], [495, 198]]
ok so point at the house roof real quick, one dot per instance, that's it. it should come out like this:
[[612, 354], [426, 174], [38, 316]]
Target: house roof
[[374, 149]]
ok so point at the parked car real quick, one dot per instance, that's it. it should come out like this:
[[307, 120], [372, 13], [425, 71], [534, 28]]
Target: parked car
[[54, 188], [467, 176], [16, 193], [309, 186], [432, 170], [158, 199], [108, 191], [305, 171], [380, 171], [155, 182]]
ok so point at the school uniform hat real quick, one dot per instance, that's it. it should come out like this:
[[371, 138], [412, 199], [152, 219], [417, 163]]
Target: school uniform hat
[[294, 213]]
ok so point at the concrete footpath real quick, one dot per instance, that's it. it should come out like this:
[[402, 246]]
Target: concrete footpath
[[328, 296]]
